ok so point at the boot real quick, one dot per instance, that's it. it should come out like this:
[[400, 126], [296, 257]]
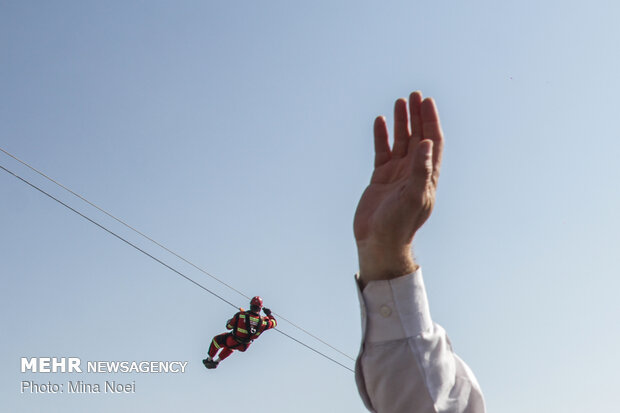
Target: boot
[[210, 363]]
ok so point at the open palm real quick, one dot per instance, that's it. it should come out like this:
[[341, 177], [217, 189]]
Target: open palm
[[402, 189]]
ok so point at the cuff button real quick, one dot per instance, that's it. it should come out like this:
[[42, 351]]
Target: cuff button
[[385, 311]]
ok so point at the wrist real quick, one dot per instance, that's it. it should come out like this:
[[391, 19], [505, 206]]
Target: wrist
[[381, 262]]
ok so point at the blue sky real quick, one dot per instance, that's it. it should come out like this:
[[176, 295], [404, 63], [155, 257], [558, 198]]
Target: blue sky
[[239, 135]]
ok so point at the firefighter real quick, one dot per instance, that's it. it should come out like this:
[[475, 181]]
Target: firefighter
[[246, 326]]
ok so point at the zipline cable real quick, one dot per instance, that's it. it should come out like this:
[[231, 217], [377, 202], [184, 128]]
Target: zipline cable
[[120, 221], [157, 259]]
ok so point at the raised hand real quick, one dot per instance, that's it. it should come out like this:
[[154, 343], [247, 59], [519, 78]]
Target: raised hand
[[401, 194]]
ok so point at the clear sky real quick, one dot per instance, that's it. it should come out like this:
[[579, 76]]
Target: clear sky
[[239, 135]]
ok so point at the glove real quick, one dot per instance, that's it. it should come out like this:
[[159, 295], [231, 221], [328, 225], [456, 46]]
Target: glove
[[267, 311]]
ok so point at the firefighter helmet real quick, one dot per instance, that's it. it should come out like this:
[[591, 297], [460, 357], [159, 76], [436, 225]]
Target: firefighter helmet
[[257, 302]]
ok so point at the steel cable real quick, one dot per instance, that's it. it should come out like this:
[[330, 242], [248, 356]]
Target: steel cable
[[156, 259], [122, 222]]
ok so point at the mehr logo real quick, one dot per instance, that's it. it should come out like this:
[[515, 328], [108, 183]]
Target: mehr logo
[[51, 365]]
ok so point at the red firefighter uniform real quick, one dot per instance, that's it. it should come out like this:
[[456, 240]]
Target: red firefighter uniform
[[245, 326]]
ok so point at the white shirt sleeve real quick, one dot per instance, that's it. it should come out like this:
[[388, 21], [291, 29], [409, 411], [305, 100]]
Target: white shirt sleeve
[[406, 362]]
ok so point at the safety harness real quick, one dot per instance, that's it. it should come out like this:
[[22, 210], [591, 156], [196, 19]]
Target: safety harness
[[251, 331]]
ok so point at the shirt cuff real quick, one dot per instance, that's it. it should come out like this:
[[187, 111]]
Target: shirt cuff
[[395, 309]]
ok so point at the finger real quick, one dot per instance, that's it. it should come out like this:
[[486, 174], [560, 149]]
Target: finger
[[431, 129], [382, 146], [415, 104], [401, 129]]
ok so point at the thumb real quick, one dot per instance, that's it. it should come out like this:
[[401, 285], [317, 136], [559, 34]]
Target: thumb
[[422, 171], [423, 162]]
